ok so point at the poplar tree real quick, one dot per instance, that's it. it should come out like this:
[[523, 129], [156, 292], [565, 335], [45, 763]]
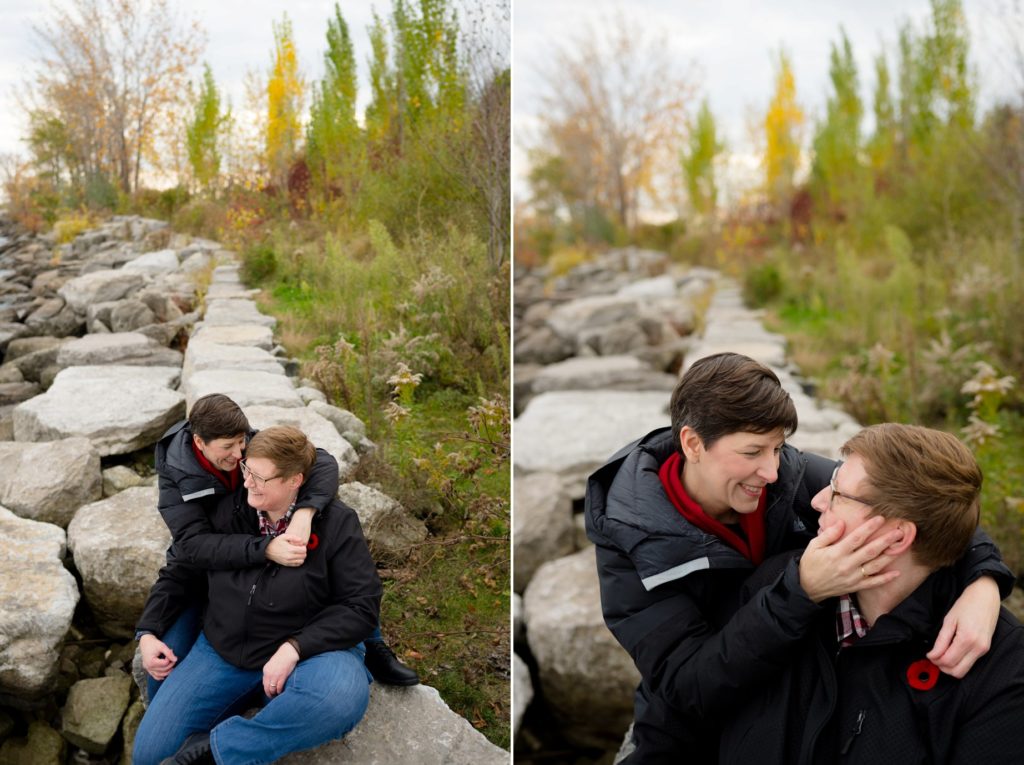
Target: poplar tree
[[698, 161], [202, 133], [782, 126], [285, 89]]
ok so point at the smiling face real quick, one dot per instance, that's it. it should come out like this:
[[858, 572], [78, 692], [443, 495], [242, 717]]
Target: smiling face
[[727, 479], [267, 489], [223, 453]]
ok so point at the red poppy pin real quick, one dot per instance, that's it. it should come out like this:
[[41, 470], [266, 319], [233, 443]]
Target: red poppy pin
[[313, 543], [922, 675]]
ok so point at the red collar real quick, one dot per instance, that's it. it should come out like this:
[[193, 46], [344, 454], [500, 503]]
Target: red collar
[[752, 524], [230, 480]]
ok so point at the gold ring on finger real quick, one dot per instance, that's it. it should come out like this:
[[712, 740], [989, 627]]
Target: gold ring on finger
[[863, 573]]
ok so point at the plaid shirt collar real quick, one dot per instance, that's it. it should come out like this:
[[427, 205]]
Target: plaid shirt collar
[[850, 625], [270, 529]]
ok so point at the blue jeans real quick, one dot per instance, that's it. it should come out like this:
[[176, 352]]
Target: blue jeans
[[179, 638], [323, 699]]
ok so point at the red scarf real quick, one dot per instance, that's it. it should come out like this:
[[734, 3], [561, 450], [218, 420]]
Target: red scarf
[[230, 480], [752, 547]]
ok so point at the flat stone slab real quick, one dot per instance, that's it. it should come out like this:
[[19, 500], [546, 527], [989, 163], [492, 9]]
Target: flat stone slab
[[601, 373], [227, 290], [572, 433], [236, 311], [319, 429], [770, 354], [132, 348], [246, 388], [119, 408], [406, 725], [37, 601], [201, 356], [256, 335]]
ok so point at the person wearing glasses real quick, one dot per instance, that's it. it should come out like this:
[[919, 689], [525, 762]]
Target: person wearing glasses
[[681, 517], [290, 637], [197, 461], [859, 687]]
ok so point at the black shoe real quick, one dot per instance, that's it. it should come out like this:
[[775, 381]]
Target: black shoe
[[195, 751], [385, 666]]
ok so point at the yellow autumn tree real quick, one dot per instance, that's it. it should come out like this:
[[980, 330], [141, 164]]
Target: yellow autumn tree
[[783, 123], [285, 90]]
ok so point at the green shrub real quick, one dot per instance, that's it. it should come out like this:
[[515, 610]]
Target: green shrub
[[259, 263], [762, 284]]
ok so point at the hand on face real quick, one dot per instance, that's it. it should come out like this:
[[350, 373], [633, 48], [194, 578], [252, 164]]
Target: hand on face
[[835, 563]]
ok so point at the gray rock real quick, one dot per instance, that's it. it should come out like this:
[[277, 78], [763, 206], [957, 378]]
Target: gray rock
[[119, 545], [542, 527], [118, 408], [120, 477], [37, 601], [161, 304], [573, 433], [201, 356], [129, 727], [319, 430], [656, 287], [153, 263], [568, 638], [93, 711], [98, 287], [246, 388], [49, 481], [16, 392], [342, 419], [518, 625], [236, 334], [32, 355], [10, 331], [584, 314], [406, 725], [54, 317], [130, 348], [235, 311], [543, 346], [524, 691], [309, 395], [43, 746], [604, 372], [129, 315], [387, 525]]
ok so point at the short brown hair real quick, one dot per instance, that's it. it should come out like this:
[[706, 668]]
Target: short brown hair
[[924, 476], [217, 416], [730, 393], [287, 447]]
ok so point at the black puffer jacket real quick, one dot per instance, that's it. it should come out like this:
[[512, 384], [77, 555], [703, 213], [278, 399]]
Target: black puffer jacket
[[330, 602], [859, 705], [669, 595]]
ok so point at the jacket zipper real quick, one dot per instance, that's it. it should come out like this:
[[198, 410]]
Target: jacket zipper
[[857, 727], [245, 620]]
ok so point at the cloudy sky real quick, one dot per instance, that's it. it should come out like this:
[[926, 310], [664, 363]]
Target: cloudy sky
[[729, 45], [239, 37]]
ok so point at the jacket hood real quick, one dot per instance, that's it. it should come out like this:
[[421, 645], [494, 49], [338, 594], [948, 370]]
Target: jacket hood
[[627, 508]]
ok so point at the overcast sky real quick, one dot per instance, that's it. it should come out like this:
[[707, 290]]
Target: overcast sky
[[731, 44], [239, 33]]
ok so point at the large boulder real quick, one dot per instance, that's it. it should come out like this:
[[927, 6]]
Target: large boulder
[[542, 527], [99, 287], [586, 677], [126, 348], [118, 408], [153, 263], [387, 525], [93, 711], [524, 691], [119, 545], [321, 432], [245, 388], [406, 725], [49, 481], [572, 433], [37, 601], [42, 746]]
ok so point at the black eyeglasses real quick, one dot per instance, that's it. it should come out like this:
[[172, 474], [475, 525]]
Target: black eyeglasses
[[836, 493], [259, 480]]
